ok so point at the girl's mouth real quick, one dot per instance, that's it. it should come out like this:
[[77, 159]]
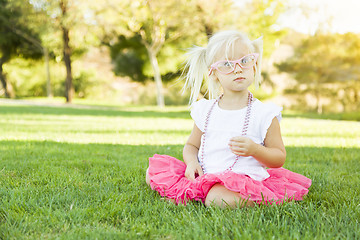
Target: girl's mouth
[[239, 79]]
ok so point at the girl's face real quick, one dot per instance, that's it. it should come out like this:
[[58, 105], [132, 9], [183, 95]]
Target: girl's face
[[241, 78]]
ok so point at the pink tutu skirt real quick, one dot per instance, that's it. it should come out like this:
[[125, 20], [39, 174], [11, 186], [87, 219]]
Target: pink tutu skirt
[[166, 175]]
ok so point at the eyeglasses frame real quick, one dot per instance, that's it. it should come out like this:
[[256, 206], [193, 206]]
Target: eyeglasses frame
[[214, 65]]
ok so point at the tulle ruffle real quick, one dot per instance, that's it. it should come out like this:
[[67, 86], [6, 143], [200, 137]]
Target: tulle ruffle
[[166, 176]]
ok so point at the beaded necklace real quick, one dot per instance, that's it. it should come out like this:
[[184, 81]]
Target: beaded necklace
[[244, 129]]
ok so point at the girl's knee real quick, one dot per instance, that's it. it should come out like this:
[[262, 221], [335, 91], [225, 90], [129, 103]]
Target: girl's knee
[[214, 196], [222, 197]]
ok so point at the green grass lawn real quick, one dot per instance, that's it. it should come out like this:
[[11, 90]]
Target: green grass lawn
[[78, 173]]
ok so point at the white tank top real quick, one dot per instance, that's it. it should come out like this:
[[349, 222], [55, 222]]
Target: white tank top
[[225, 124]]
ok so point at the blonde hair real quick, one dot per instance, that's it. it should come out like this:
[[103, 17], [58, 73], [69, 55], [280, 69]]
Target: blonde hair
[[200, 59]]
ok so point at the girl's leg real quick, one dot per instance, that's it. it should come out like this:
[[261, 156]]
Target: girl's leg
[[222, 197], [147, 178]]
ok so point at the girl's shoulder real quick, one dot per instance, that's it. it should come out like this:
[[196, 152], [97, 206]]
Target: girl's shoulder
[[199, 109], [267, 110], [264, 113], [259, 105], [203, 103]]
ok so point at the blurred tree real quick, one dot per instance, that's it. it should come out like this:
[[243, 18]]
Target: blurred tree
[[129, 56], [66, 21], [212, 16], [65, 27], [17, 37], [152, 24], [156, 32], [322, 59], [259, 17]]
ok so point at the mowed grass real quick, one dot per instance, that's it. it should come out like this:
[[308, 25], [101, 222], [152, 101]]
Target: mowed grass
[[78, 173]]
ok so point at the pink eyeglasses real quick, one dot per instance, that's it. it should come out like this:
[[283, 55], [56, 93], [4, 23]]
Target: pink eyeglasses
[[227, 66]]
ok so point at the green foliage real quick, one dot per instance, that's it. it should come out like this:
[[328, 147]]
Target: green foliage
[[259, 18], [28, 79], [324, 64], [130, 59], [15, 31], [83, 83], [173, 94], [325, 59], [129, 29], [150, 31], [129, 55], [78, 173]]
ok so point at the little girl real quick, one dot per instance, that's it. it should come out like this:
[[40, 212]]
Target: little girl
[[235, 153]]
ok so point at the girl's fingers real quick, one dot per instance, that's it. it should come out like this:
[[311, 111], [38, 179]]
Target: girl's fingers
[[239, 138], [238, 151], [237, 148], [237, 144], [191, 176]]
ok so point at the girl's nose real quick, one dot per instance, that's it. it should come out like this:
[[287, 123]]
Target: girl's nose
[[237, 69]]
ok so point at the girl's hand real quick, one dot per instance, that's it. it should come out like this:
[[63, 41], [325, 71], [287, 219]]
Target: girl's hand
[[193, 170], [242, 146]]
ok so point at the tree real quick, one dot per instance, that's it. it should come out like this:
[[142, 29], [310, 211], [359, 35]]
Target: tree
[[325, 59], [156, 27], [69, 89], [154, 23], [17, 38], [66, 22], [129, 56]]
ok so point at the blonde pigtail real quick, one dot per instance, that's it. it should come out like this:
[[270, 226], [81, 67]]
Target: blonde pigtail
[[196, 71], [258, 47]]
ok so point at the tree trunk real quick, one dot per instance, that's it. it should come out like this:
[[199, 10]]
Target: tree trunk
[[356, 95], [318, 102], [69, 90], [3, 80], [9, 93], [48, 80], [157, 76]]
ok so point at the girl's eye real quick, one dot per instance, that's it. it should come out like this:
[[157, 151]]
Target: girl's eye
[[228, 64], [246, 60]]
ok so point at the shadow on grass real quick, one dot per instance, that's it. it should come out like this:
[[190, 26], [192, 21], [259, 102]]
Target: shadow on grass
[[136, 112], [93, 112]]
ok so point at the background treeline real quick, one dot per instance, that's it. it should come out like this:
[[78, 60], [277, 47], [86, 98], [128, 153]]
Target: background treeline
[[132, 51]]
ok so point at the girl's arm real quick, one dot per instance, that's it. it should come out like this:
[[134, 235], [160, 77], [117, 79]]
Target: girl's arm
[[272, 155], [190, 154]]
